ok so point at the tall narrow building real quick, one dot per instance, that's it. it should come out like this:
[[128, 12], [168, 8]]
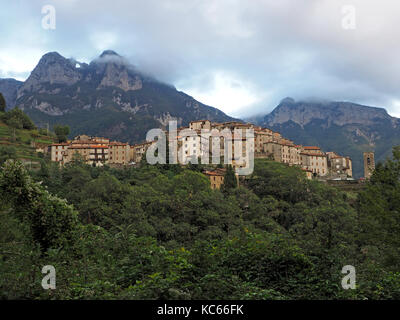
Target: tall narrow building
[[369, 164]]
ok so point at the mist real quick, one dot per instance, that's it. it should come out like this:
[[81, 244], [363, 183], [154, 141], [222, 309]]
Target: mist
[[242, 57]]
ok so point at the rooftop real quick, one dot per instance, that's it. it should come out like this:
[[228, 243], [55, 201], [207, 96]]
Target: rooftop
[[311, 148]]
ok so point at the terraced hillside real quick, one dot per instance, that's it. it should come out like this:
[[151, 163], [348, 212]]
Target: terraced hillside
[[22, 144]]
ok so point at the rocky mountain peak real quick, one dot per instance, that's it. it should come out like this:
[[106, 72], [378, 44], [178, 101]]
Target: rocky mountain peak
[[109, 53], [51, 57], [52, 68], [115, 71], [288, 100], [333, 112], [108, 97]]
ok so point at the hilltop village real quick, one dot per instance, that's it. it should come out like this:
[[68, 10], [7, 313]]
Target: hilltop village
[[98, 151]]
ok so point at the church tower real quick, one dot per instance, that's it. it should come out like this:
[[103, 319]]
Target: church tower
[[369, 164]]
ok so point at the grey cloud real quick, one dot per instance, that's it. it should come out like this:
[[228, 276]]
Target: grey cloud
[[283, 48]]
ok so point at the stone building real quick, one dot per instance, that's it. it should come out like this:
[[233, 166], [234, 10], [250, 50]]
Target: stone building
[[57, 151], [200, 124], [189, 147], [314, 159], [192, 145], [261, 136], [339, 166], [216, 177], [92, 154], [285, 152], [119, 153], [138, 151], [309, 173], [93, 150], [273, 151], [369, 164]]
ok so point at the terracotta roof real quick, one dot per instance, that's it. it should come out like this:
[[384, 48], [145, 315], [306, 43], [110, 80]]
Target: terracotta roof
[[142, 144], [117, 143], [89, 147], [287, 144], [216, 172], [60, 144], [264, 131], [311, 148], [313, 154]]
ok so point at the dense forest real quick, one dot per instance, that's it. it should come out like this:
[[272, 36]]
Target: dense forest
[[161, 232]]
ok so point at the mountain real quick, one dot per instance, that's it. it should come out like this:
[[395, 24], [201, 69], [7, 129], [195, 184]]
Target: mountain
[[9, 87], [107, 97], [345, 127]]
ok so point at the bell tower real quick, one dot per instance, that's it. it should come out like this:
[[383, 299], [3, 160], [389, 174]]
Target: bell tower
[[369, 164]]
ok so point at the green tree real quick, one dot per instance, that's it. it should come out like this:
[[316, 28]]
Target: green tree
[[15, 124], [61, 132], [2, 103], [17, 118], [52, 221], [379, 213], [7, 152], [230, 181]]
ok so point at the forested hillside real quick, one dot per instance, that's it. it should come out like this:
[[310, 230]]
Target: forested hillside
[[161, 232]]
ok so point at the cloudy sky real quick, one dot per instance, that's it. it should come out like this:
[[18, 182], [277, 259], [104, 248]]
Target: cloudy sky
[[238, 55]]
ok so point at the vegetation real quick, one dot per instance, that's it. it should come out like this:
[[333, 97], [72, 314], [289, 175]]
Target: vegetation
[[161, 232], [230, 181], [19, 138], [16, 118], [61, 132], [2, 103]]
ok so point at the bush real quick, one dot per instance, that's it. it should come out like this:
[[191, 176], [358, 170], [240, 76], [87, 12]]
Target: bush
[[16, 118]]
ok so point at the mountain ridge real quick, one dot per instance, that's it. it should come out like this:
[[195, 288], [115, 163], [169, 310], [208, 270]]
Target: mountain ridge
[[337, 112], [108, 96], [346, 127], [9, 88]]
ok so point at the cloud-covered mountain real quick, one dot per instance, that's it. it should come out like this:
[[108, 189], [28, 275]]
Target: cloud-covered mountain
[[108, 97], [345, 127]]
